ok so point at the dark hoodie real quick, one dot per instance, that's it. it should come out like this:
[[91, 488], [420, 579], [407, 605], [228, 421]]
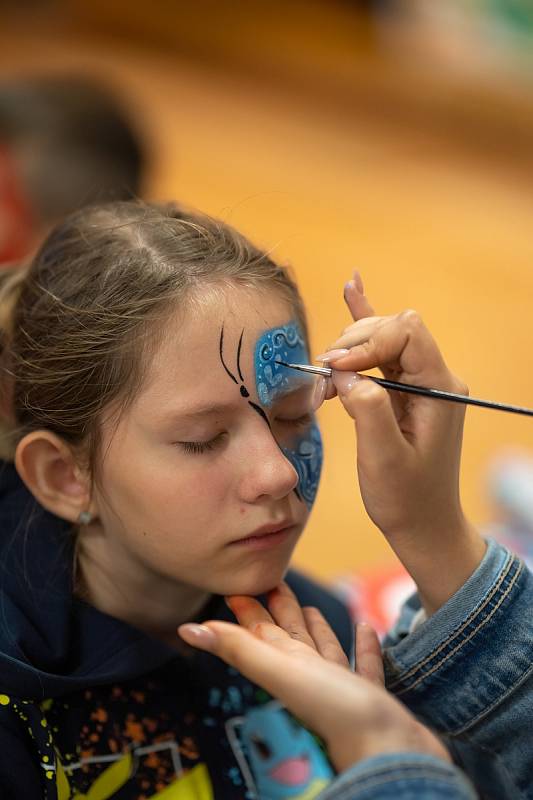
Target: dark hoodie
[[92, 707]]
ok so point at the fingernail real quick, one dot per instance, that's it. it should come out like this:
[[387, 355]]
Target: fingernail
[[349, 285], [358, 282], [319, 393], [331, 355], [345, 381], [197, 635]]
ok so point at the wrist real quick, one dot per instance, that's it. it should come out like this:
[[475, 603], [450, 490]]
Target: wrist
[[411, 736], [440, 560], [454, 566]]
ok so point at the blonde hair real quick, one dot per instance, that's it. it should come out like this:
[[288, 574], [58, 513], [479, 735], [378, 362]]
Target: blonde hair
[[75, 322]]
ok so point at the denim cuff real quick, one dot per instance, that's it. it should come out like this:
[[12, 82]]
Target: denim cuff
[[480, 638], [400, 776]]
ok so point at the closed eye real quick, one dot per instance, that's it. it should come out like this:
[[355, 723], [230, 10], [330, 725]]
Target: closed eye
[[201, 447]]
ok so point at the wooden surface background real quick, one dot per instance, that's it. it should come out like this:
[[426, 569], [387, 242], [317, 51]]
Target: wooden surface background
[[298, 127]]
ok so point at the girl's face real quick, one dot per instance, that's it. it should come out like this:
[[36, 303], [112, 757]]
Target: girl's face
[[218, 451]]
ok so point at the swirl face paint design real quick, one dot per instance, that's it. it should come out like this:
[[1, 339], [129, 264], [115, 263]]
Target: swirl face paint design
[[306, 457], [275, 345], [272, 379]]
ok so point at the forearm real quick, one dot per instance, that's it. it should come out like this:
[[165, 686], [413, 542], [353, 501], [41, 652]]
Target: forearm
[[440, 560]]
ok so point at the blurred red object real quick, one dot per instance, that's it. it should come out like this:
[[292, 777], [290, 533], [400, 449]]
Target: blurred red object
[[377, 596], [16, 226]]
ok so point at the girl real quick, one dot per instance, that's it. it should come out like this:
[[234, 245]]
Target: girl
[[156, 457]]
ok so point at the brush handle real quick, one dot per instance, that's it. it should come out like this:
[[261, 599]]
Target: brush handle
[[409, 388], [438, 394]]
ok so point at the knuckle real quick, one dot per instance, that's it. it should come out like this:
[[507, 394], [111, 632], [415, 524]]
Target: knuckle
[[372, 394], [460, 387], [297, 633], [370, 348], [261, 628], [297, 648], [411, 318]]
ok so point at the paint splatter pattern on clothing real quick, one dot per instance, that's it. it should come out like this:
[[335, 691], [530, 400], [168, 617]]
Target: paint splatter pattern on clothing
[[138, 742]]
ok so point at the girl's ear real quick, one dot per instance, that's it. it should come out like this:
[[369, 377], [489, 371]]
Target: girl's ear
[[48, 468]]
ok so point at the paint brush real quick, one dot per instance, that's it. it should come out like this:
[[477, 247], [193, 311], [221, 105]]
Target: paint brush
[[409, 388]]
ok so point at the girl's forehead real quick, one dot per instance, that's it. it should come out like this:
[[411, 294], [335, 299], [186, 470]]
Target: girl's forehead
[[236, 340], [274, 349]]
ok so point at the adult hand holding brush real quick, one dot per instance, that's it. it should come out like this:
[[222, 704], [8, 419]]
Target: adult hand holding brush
[[408, 446]]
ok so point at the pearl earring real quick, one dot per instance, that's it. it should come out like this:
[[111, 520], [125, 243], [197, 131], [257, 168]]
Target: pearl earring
[[85, 517]]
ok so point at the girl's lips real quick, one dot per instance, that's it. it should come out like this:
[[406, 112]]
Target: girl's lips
[[265, 538]]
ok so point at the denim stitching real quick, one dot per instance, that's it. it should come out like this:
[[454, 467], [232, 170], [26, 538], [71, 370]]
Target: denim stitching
[[505, 570], [474, 720], [501, 579], [461, 644]]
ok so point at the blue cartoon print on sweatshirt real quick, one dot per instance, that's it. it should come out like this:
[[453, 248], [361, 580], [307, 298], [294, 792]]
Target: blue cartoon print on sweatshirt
[[279, 759], [287, 343]]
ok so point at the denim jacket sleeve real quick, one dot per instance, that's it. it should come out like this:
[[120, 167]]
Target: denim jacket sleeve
[[400, 776], [467, 672]]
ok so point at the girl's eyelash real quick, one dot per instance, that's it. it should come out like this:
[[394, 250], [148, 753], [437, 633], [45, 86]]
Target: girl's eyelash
[[200, 447], [197, 448]]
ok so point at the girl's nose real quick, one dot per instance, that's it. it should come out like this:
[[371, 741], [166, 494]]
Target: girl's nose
[[268, 472]]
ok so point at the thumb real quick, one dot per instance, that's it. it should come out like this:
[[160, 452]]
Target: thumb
[[379, 439]]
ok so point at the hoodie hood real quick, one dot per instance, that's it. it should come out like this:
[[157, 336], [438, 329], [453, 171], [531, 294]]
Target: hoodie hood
[[51, 643]]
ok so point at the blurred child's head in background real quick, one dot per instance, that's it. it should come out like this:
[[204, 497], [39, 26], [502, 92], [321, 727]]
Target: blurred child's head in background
[[65, 142]]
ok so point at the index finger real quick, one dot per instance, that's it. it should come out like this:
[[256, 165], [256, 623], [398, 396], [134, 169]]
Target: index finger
[[324, 637], [249, 611], [355, 299], [402, 342], [287, 613]]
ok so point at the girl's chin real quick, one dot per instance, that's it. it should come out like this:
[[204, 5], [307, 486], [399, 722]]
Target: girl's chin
[[252, 585]]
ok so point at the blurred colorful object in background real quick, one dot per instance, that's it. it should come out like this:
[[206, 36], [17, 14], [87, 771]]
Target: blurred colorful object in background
[[494, 35], [65, 142], [16, 222], [375, 596], [510, 486]]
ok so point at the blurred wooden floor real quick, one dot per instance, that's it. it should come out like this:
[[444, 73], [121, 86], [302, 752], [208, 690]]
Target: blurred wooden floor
[[429, 227]]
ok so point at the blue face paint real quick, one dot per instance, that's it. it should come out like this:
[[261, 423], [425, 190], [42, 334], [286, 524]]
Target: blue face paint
[[306, 457], [273, 380]]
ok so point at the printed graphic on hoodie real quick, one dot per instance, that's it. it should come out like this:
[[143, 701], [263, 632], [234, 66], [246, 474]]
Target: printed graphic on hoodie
[[274, 756]]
